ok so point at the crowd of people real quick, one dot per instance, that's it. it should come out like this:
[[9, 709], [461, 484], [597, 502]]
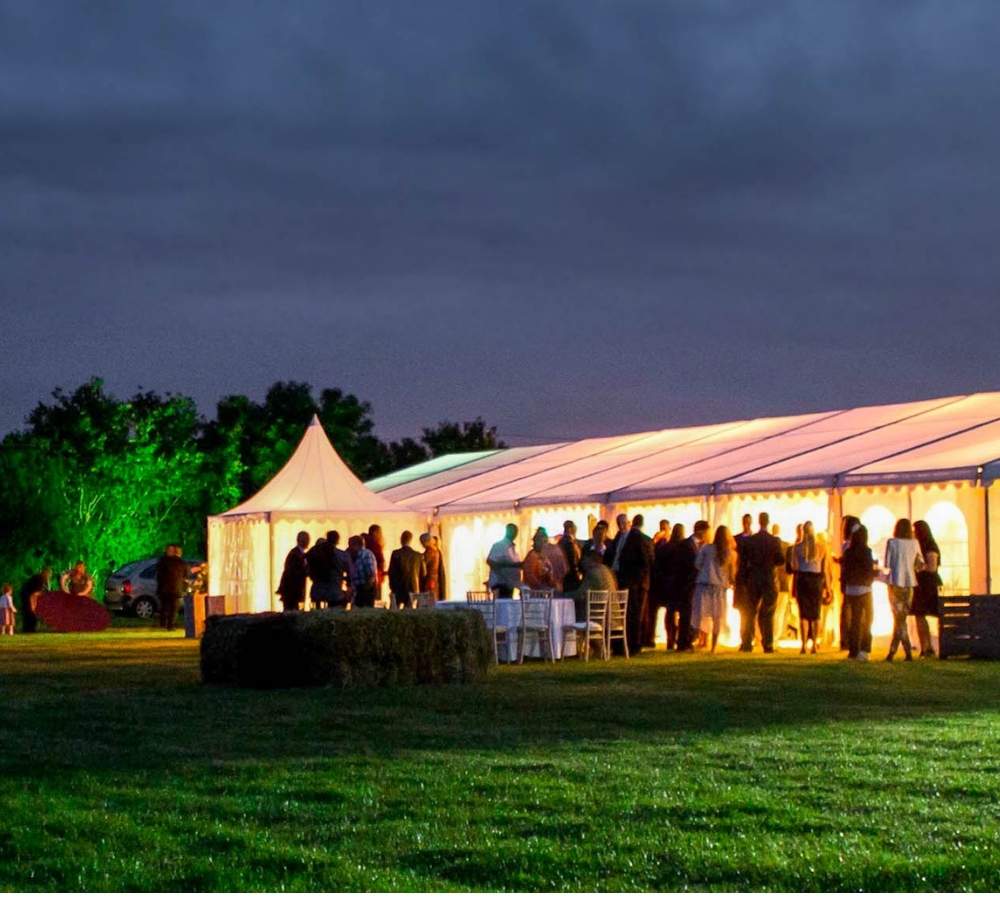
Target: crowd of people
[[355, 576], [779, 588]]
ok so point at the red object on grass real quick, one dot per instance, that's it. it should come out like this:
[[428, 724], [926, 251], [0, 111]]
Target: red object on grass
[[71, 612]]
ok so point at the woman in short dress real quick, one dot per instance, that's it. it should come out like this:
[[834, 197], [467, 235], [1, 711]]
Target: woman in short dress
[[812, 584], [716, 564], [903, 561], [925, 595]]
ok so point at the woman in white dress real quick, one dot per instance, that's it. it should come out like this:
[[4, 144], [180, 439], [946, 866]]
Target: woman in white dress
[[716, 563]]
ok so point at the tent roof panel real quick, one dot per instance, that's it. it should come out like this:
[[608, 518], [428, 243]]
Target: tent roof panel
[[959, 453], [778, 453], [693, 470], [533, 483], [820, 466], [426, 493], [425, 469]]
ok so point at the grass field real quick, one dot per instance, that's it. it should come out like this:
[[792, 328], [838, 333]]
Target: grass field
[[120, 772]]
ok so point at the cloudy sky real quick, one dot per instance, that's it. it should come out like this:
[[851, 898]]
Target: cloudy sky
[[570, 218]]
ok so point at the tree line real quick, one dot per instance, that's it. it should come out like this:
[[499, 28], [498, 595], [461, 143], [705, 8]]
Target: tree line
[[109, 480]]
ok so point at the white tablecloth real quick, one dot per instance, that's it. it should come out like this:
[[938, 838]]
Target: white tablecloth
[[509, 616]]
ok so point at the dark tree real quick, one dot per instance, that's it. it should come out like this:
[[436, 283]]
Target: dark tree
[[453, 437]]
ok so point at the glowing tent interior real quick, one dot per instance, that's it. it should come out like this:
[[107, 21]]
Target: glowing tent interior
[[315, 491], [932, 459]]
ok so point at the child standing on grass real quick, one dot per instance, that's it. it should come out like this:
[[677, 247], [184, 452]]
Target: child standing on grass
[[7, 609]]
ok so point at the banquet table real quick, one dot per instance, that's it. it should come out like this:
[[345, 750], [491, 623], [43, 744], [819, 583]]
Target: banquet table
[[563, 612]]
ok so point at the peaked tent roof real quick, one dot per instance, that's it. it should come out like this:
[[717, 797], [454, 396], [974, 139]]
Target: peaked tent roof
[[315, 479]]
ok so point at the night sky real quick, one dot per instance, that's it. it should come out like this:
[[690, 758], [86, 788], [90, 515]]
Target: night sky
[[570, 218]]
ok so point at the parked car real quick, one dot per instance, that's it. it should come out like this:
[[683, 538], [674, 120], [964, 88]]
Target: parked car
[[131, 589]]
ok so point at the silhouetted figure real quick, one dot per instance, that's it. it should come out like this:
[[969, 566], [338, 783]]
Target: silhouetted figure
[[857, 570], [663, 582], [686, 577], [364, 573], [764, 555], [171, 585], [925, 597], [406, 570], [572, 553], [429, 583], [292, 587], [635, 566], [30, 591]]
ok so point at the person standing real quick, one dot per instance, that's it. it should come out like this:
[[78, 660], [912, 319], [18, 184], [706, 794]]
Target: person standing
[[171, 584], [926, 596], [505, 564], [537, 572], [614, 549], [77, 581], [812, 583], [848, 526], [319, 560], [292, 586], [635, 566], [406, 570], [685, 579], [783, 584], [740, 589], [375, 542], [556, 561], [857, 571], [661, 582], [364, 573], [432, 567], [663, 535], [31, 590], [442, 587], [570, 548], [903, 561], [340, 571], [716, 564], [7, 610], [764, 556], [598, 541]]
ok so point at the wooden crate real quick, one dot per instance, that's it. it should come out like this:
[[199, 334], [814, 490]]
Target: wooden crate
[[970, 626]]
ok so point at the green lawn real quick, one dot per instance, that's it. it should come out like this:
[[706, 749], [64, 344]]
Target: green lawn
[[121, 772]]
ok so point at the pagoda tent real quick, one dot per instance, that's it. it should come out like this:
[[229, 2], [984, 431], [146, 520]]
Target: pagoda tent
[[316, 492]]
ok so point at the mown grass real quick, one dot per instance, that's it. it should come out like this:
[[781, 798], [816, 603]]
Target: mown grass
[[121, 772]]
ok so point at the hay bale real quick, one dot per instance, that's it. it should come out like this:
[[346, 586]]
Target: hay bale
[[361, 648]]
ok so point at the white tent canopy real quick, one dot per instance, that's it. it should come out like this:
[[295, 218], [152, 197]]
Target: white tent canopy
[[315, 492], [314, 479], [924, 441]]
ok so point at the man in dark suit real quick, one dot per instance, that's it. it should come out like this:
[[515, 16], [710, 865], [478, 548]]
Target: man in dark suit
[[764, 555], [292, 587], [740, 584], [685, 576], [406, 569], [613, 551], [570, 547], [635, 565]]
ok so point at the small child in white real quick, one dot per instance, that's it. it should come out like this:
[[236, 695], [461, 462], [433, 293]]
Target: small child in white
[[7, 610]]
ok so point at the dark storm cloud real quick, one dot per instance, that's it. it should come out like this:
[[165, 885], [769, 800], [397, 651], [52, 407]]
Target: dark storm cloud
[[570, 218]]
